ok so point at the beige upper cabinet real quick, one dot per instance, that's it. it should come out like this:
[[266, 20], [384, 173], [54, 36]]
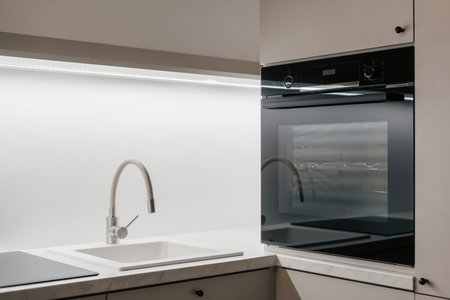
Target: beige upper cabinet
[[297, 29], [432, 144]]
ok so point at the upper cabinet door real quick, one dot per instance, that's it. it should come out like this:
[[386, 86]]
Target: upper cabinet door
[[297, 29]]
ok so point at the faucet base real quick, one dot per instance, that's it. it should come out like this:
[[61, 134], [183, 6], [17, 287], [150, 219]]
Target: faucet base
[[111, 223]]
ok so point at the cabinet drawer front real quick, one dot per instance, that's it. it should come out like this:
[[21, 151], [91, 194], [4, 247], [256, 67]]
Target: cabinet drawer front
[[96, 297], [295, 29], [423, 297], [242, 286], [295, 285]]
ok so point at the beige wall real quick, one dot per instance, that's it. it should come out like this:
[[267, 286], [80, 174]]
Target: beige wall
[[225, 29]]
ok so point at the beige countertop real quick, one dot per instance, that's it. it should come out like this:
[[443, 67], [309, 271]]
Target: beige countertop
[[255, 256]]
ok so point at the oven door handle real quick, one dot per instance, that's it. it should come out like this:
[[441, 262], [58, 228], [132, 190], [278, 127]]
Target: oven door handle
[[337, 98]]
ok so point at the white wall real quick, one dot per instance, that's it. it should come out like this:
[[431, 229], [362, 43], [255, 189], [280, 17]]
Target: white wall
[[63, 136], [217, 28]]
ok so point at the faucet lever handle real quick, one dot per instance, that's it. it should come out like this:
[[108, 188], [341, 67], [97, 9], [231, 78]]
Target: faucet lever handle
[[131, 222]]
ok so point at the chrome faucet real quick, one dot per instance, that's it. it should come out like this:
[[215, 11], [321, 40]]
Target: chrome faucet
[[292, 168], [114, 232]]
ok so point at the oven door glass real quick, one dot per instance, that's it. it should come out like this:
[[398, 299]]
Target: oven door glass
[[339, 179]]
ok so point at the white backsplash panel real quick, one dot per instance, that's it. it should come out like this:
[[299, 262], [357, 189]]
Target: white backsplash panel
[[64, 135]]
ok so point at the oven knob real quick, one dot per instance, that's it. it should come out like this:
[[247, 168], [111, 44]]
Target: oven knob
[[369, 72], [288, 81]]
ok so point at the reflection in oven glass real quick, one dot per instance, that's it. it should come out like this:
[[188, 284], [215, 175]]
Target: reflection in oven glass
[[343, 169]]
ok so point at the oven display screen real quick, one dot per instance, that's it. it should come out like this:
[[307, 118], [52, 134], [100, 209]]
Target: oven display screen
[[329, 72]]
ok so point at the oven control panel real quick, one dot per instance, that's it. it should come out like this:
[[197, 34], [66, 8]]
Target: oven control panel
[[365, 69]]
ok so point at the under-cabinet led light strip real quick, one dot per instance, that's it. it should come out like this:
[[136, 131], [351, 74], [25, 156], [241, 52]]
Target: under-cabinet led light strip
[[19, 63]]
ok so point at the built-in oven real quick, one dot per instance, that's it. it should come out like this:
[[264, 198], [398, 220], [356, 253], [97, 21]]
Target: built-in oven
[[337, 172]]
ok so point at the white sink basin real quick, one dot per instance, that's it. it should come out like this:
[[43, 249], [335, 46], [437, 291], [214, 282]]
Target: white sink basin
[[151, 254]]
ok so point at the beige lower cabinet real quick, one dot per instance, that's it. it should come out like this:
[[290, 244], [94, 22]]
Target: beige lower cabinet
[[423, 297], [295, 285], [258, 285], [94, 297]]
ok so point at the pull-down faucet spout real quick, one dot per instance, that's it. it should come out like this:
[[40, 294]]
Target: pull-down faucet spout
[[113, 230]]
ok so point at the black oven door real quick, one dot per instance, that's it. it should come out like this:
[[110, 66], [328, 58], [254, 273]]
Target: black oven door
[[339, 178]]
